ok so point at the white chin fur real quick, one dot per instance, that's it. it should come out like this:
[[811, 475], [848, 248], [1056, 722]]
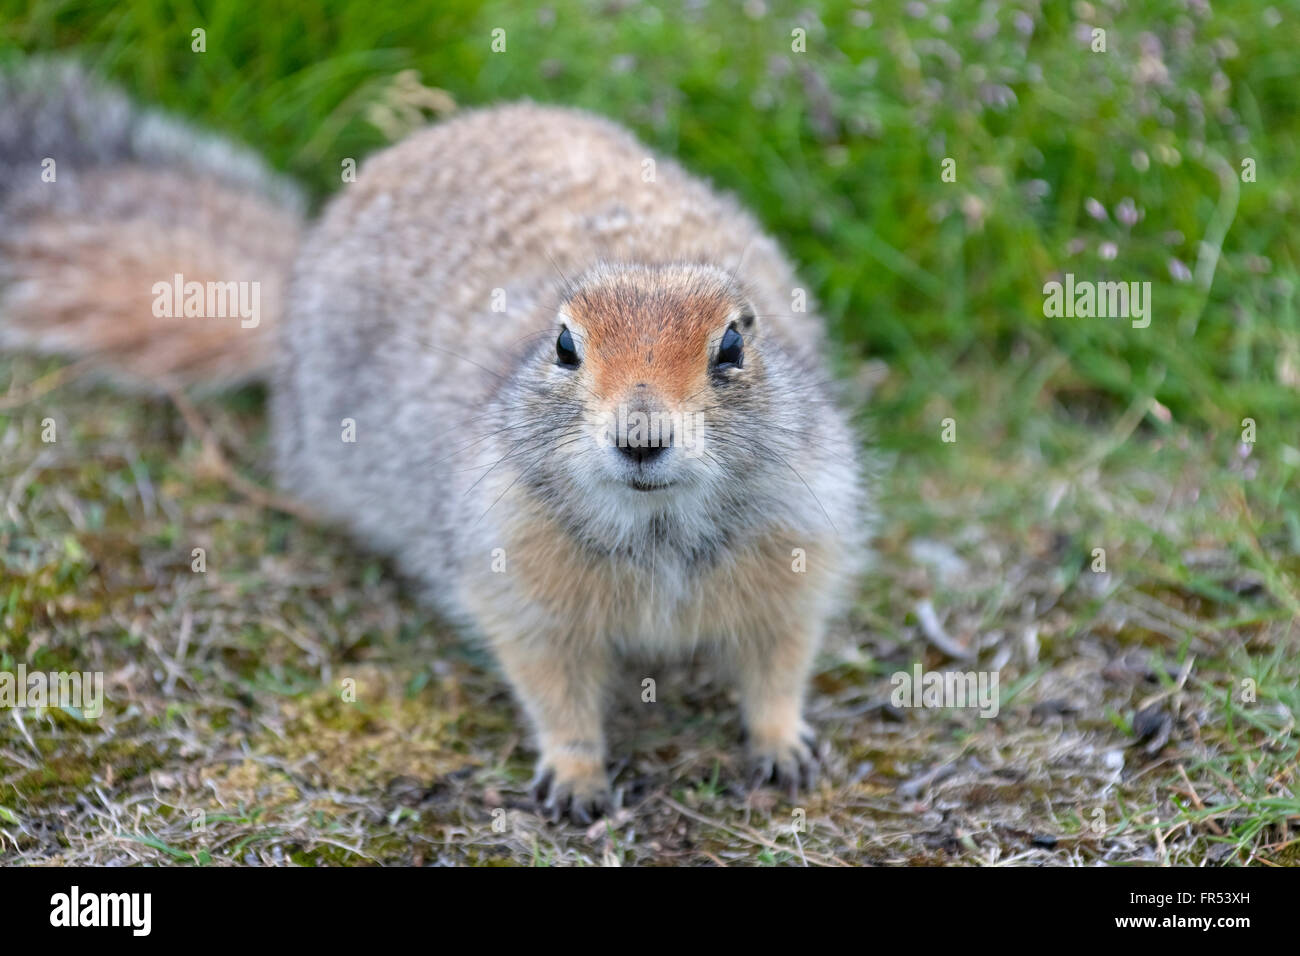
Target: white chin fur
[[610, 503]]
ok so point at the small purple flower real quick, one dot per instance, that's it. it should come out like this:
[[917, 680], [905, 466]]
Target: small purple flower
[[1179, 271], [1036, 189], [1108, 250], [998, 95], [1095, 209], [1127, 212]]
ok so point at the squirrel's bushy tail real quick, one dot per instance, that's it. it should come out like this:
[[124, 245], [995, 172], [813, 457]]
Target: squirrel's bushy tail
[[128, 236]]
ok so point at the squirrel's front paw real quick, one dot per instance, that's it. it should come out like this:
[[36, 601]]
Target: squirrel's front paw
[[572, 786], [787, 757]]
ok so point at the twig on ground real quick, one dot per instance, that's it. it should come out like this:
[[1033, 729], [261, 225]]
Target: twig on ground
[[47, 383], [212, 449]]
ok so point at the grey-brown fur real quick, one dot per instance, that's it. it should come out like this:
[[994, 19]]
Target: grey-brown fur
[[136, 197]]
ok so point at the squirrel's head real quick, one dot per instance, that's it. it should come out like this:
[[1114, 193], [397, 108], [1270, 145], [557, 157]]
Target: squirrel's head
[[662, 384]]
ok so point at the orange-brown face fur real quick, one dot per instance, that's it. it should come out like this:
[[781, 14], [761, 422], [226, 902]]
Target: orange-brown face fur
[[653, 334], [647, 342]]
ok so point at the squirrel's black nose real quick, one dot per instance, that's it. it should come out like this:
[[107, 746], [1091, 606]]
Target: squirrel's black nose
[[643, 454]]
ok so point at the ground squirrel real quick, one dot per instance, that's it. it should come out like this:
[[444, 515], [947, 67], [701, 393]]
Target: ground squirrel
[[567, 386]]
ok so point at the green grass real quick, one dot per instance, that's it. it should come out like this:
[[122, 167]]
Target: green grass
[[839, 149], [1073, 434]]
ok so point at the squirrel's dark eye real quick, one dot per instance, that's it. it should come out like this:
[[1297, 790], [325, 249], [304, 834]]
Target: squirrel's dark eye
[[565, 354], [732, 350]]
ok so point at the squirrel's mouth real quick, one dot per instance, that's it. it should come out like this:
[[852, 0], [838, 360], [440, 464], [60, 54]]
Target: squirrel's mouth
[[641, 485]]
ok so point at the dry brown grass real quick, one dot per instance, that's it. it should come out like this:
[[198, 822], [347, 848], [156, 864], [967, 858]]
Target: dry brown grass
[[227, 739]]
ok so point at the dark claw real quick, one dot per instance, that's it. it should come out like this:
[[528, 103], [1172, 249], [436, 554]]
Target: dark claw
[[540, 788], [798, 771], [579, 812], [554, 802], [555, 809]]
